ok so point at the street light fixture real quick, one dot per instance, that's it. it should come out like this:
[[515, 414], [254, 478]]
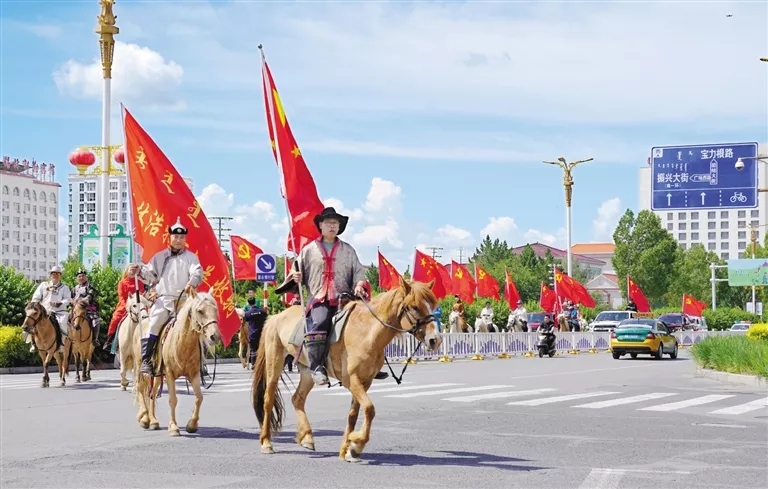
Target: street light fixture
[[568, 184], [764, 60]]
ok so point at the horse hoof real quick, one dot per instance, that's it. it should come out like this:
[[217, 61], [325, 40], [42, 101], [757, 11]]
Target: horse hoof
[[144, 424], [350, 457], [174, 432], [267, 450], [122, 387], [77, 380], [308, 446], [62, 383], [190, 428], [154, 426]]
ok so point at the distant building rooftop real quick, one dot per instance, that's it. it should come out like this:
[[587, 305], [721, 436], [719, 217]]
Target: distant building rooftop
[[540, 249]]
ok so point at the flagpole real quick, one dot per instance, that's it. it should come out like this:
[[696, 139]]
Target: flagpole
[[628, 290], [130, 193], [270, 97]]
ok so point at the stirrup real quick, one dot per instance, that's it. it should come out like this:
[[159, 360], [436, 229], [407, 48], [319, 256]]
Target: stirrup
[[320, 377]]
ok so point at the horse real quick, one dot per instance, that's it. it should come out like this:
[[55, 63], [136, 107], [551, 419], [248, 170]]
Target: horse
[[456, 323], [517, 322], [79, 342], [354, 360], [244, 349], [136, 312], [562, 322], [482, 325], [181, 353], [48, 339]]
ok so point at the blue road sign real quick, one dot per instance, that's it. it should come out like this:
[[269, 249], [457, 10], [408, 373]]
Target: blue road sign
[[266, 268], [703, 177]]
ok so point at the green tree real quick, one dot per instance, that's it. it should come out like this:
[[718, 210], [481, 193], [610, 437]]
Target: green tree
[[645, 251], [372, 275], [15, 291], [691, 275], [490, 252]]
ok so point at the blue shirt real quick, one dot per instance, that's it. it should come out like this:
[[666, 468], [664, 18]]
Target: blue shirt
[[438, 315]]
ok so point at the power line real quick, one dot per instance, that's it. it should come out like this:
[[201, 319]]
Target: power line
[[219, 229], [461, 255], [434, 250]]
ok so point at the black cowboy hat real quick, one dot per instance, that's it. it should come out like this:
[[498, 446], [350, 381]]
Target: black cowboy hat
[[330, 212]]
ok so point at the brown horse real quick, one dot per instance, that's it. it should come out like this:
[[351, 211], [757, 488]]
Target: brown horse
[[135, 312], [354, 360], [562, 322], [182, 354], [80, 340], [48, 340], [244, 350]]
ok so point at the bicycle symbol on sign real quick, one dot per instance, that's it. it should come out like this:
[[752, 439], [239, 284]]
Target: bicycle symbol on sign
[[738, 197]]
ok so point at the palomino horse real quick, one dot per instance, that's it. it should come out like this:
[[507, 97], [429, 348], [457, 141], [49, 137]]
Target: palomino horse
[[517, 322], [484, 326], [48, 340], [136, 312], [244, 349], [562, 321], [80, 340], [456, 323], [354, 359], [182, 353]]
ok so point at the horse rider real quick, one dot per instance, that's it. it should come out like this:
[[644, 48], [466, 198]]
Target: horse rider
[[251, 295], [85, 291], [54, 295], [458, 306], [631, 306], [519, 312], [438, 316], [175, 273], [573, 317], [329, 268], [487, 314], [255, 315], [125, 288]]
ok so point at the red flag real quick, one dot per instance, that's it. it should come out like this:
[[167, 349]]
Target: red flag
[[462, 283], [571, 289], [287, 297], [692, 307], [510, 290], [445, 278], [244, 258], [388, 276], [547, 299], [298, 186], [159, 197], [425, 270], [637, 295], [487, 286]]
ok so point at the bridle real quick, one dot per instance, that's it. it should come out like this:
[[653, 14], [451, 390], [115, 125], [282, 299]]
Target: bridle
[[74, 321], [33, 329]]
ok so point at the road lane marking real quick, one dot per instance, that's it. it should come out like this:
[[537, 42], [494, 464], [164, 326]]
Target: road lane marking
[[625, 400], [498, 395], [602, 479], [450, 391], [696, 401], [743, 408], [396, 389], [550, 400]]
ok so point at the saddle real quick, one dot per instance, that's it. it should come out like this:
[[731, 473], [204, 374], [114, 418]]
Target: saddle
[[338, 322]]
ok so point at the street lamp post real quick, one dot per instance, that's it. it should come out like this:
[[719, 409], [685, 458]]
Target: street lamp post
[[106, 30], [568, 184]]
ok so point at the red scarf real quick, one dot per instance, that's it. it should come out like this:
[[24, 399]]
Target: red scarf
[[329, 287]]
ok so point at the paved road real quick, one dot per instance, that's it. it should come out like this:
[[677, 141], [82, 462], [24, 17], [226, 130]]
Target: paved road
[[583, 421]]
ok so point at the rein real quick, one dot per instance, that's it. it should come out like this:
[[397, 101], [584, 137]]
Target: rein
[[73, 322], [33, 330]]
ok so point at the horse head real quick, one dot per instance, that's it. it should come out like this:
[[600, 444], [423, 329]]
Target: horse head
[[416, 304], [79, 310], [34, 312], [135, 308], [204, 318]]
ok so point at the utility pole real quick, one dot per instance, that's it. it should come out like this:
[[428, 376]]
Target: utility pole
[[434, 250], [219, 229], [461, 255]]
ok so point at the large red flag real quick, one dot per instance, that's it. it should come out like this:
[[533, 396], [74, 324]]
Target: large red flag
[[547, 299], [299, 187], [287, 297], [692, 307], [445, 277], [244, 258], [462, 282], [571, 289], [510, 290], [159, 197], [637, 295], [425, 270], [388, 276], [487, 286]]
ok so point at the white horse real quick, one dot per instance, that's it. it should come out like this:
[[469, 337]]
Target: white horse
[[483, 324], [517, 321], [135, 312], [456, 323]]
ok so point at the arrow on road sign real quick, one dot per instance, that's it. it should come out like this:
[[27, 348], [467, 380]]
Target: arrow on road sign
[[703, 194], [669, 199]]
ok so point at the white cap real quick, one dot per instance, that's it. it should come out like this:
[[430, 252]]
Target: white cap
[[55, 269]]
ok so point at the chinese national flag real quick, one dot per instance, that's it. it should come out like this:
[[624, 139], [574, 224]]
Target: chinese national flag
[[299, 191], [547, 299], [510, 290], [637, 295], [244, 258], [427, 269], [388, 276], [571, 289], [692, 307], [159, 197], [462, 282], [287, 297], [487, 286], [445, 277]]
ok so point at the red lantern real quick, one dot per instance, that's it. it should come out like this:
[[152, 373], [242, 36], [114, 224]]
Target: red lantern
[[82, 160], [120, 156]]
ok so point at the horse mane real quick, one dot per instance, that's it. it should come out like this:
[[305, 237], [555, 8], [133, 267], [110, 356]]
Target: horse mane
[[392, 300]]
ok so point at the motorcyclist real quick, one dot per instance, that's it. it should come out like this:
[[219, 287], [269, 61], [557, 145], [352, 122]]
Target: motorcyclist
[[631, 306], [548, 328]]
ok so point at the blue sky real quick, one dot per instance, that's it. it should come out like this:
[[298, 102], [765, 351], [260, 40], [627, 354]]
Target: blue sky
[[426, 122]]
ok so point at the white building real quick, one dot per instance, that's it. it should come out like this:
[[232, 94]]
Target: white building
[[725, 232], [29, 213], [83, 210]]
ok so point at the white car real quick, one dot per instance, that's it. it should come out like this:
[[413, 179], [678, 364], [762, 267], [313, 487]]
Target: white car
[[739, 327], [697, 323], [608, 320]]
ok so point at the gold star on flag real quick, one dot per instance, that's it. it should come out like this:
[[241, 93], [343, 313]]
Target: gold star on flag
[[296, 152]]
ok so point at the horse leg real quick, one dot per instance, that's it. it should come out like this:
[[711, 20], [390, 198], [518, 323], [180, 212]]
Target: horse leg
[[192, 424], [358, 439], [154, 423], [141, 384], [62, 368], [274, 358], [123, 373], [240, 351], [173, 401], [78, 379], [45, 357], [304, 435], [354, 411]]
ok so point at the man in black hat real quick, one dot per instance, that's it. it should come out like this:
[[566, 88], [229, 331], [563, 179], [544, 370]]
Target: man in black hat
[[328, 267], [171, 271], [85, 291]]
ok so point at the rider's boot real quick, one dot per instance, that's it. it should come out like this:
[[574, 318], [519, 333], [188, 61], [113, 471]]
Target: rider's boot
[[315, 345], [148, 346], [381, 375], [108, 343]]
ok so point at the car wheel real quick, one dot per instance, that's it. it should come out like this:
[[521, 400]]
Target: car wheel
[[660, 353], [673, 355], [633, 355], [616, 355]]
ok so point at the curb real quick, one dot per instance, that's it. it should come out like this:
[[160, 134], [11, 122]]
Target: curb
[[751, 380], [52, 367]]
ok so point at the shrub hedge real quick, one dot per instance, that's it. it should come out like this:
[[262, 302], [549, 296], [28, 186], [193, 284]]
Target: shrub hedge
[[13, 351], [733, 354]]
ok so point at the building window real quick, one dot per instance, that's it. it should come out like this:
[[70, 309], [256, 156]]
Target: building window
[[113, 216], [711, 246], [754, 213], [670, 216], [681, 216], [82, 187], [681, 226], [742, 214], [754, 224], [724, 245], [113, 196], [723, 214], [113, 206], [113, 186], [681, 237], [82, 197], [694, 225], [91, 186], [723, 224], [15, 191], [90, 218], [742, 245], [742, 224], [91, 207], [711, 214], [91, 196], [82, 229], [742, 235], [694, 236], [53, 211], [670, 226], [724, 235], [711, 225], [694, 215]]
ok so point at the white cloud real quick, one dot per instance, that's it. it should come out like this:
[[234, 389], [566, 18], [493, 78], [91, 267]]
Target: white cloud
[[608, 215], [557, 240], [453, 236], [140, 76], [215, 201], [383, 198], [353, 214], [503, 228], [379, 235]]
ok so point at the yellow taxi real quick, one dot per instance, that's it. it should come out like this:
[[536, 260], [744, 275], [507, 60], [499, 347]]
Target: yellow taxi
[[643, 334]]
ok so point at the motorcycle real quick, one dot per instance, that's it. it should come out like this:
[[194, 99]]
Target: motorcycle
[[546, 345]]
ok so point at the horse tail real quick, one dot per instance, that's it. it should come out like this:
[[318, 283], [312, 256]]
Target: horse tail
[[259, 388]]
